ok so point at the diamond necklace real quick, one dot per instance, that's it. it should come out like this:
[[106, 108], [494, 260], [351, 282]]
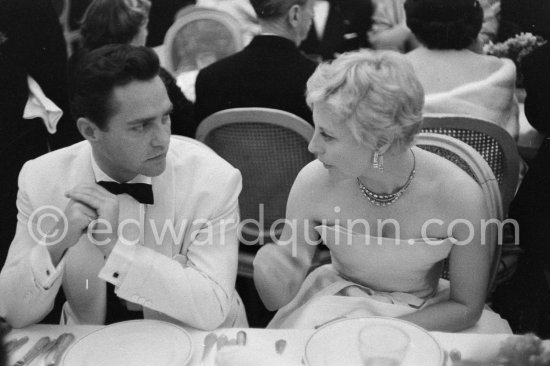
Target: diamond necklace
[[383, 199]]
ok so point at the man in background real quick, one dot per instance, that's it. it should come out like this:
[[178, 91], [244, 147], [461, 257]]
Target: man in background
[[339, 26], [270, 72]]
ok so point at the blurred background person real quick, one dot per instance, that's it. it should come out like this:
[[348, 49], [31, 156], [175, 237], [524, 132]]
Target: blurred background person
[[338, 26], [457, 80], [536, 79], [270, 72], [530, 312], [389, 29], [241, 10], [31, 44]]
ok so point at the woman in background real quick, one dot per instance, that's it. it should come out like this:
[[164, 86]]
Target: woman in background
[[458, 81], [367, 109], [125, 21]]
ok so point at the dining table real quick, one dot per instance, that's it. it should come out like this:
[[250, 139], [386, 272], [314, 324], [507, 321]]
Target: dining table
[[478, 347]]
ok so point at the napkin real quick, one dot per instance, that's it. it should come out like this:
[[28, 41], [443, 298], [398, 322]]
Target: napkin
[[40, 106], [472, 347], [186, 82], [246, 356]]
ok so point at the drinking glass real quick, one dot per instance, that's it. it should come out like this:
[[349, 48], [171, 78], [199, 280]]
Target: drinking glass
[[383, 345]]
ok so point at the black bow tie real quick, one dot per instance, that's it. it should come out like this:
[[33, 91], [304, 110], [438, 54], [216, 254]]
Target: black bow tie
[[141, 192]]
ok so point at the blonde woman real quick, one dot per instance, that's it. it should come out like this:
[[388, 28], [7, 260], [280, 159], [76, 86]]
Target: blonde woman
[[372, 197]]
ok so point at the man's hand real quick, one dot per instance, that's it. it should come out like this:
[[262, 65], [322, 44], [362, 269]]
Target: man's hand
[[105, 221], [78, 217]]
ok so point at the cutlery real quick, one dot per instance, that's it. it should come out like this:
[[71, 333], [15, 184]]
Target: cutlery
[[38, 347], [241, 338], [53, 356], [209, 342], [455, 355], [329, 321], [280, 346], [15, 344]]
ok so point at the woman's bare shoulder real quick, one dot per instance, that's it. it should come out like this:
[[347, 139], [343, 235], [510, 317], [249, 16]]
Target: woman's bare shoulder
[[447, 183], [312, 182]]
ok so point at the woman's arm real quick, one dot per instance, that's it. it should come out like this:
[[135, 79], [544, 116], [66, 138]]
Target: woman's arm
[[280, 268], [470, 262]]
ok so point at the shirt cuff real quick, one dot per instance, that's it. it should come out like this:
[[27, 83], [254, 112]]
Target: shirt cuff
[[44, 272], [118, 264]]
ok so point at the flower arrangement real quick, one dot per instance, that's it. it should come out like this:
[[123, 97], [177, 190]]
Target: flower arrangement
[[515, 48]]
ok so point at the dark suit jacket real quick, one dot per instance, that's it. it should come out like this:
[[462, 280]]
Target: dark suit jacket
[[531, 208], [346, 29], [161, 17], [33, 44], [270, 72], [518, 16], [536, 79]]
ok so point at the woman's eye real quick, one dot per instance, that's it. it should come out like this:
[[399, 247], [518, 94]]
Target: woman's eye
[[326, 136]]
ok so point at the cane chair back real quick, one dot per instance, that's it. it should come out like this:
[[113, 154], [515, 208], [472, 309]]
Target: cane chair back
[[199, 37], [269, 147], [469, 160], [491, 141]]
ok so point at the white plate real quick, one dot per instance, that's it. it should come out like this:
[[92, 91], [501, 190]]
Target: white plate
[[337, 343], [135, 342]]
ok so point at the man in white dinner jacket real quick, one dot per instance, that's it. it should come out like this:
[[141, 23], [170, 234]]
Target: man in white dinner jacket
[[163, 245]]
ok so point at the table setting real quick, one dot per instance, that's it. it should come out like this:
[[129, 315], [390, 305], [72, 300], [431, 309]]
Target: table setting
[[368, 341]]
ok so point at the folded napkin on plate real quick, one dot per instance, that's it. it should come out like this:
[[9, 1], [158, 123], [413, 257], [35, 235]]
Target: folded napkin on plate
[[40, 106], [246, 356]]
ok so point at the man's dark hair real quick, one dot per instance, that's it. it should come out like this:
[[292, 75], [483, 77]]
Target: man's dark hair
[[103, 69], [272, 9], [444, 24]]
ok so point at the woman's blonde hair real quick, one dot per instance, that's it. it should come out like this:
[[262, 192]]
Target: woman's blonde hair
[[375, 93]]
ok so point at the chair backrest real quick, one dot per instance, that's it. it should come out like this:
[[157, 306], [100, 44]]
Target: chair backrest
[[199, 37], [468, 159], [72, 37], [269, 147], [491, 141]]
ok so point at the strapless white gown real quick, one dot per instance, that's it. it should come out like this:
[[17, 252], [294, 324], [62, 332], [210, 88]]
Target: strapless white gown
[[372, 276]]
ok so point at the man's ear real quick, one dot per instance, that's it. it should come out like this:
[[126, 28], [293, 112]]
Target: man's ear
[[87, 128], [294, 15]]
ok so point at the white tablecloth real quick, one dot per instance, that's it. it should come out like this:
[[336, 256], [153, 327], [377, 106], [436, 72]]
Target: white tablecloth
[[478, 347]]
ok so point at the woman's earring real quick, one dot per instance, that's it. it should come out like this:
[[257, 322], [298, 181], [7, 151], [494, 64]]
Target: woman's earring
[[378, 161]]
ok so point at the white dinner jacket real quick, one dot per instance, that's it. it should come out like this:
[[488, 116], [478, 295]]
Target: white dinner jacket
[[190, 281]]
